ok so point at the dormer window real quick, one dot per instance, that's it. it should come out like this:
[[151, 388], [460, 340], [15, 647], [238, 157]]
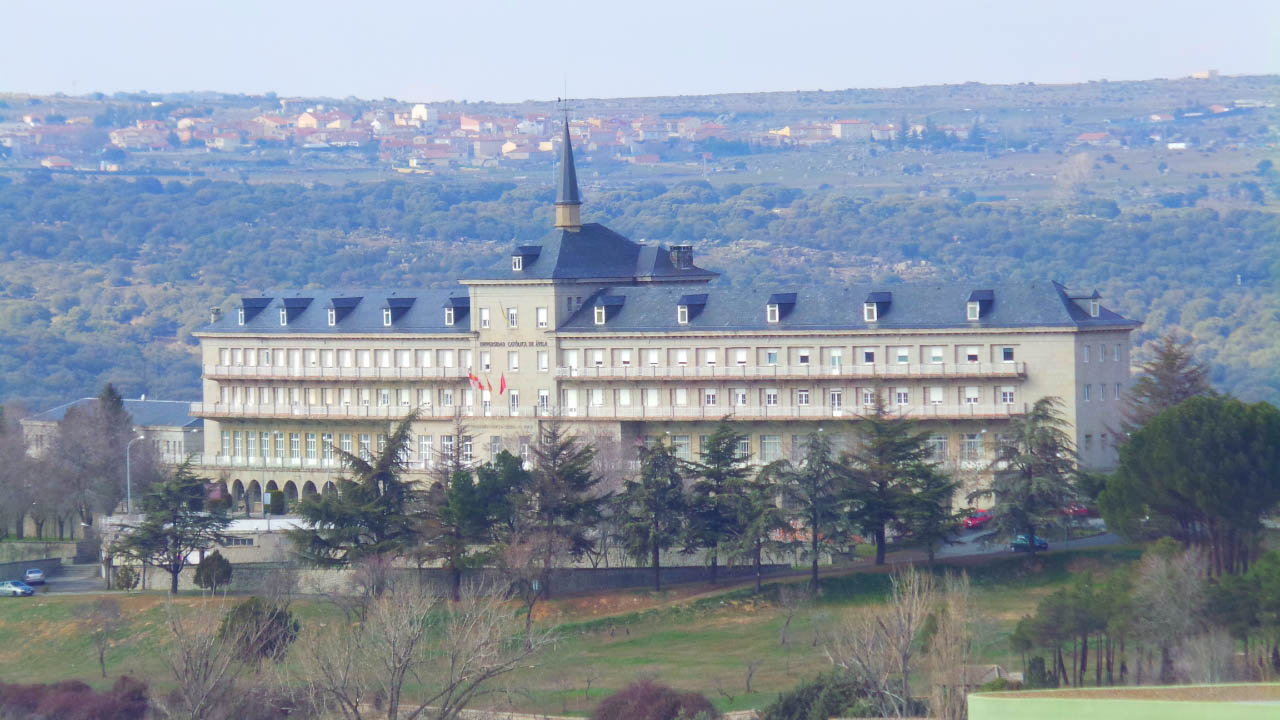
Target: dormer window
[[771, 313], [517, 263], [682, 314], [284, 316], [1094, 308], [448, 316], [599, 314], [239, 316], [386, 317], [333, 317], [979, 303], [973, 310], [869, 312]]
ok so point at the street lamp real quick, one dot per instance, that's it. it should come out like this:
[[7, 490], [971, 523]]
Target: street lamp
[[128, 476]]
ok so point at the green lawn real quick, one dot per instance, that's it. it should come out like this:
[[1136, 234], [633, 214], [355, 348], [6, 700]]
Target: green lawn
[[700, 643]]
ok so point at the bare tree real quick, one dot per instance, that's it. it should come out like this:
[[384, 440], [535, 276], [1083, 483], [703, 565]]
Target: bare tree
[[791, 598], [101, 622], [878, 645], [752, 665], [529, 561], [453, 652], [951, 646], [1169, 596]]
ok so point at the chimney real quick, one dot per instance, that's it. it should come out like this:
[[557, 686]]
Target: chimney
[[682, 256], [215, 314]]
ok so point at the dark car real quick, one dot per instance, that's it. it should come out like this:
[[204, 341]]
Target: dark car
[[1020, 544], [16, 588]]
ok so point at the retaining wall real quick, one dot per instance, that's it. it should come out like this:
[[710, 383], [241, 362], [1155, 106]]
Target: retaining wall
[[14, 570], [11, 552]]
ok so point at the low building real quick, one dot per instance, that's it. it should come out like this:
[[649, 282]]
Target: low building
[[174, 433]]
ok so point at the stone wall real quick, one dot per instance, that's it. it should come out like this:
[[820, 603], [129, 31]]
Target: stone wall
[[255, 577], [14, 570], [23, 551]]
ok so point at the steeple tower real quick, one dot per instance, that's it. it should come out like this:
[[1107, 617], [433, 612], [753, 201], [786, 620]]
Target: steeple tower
[[568, 202]]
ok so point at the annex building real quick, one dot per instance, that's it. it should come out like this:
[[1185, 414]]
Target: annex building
[[626, 340]]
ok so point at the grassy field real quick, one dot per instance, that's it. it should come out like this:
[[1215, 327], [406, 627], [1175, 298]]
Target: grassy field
[[695, 638]]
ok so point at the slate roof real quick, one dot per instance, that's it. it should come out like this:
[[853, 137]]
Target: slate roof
[[597, 253], [359, 311], [144, 413], [567, 190], [914, 307]]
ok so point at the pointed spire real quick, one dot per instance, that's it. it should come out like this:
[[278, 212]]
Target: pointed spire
[[568, 201]]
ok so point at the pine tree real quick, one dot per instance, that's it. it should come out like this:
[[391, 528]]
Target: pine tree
[[1172, 376], [373, 512], [761, 517], [816, 491], [716, 497], [652, 509]]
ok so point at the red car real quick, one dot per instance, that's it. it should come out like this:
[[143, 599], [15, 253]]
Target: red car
[[977, 519], [1075, 510]]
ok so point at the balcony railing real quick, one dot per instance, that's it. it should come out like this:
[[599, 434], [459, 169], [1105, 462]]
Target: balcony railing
[[271, 372], [925, 371], [603, 412]]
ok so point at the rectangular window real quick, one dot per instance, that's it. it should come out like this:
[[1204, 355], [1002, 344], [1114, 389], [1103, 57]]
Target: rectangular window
[[869, 312], [544, 361], [770, 357], [517, 263], [513, 360], [1102, 353], [599, 316], [652, 357], [344, 396], [802, 356], [326, 447], [311, 446], [1006, 395], [771, 397], [802, 397], [902, 396], [344, 442], [264, 442], [771, 313], [682, 397], [513, 318], [485, 358], [597, 358], [278, 439], [936, 447], [384, 397], [742, 451], [739, 396], [424, 358], [683, 449], [251, 444], [284, 316], [709, 357], [446, 447], [624, 358], [835, 359], [971, 353], [936, 354], [902, 355], [1086, 353], [682, 314], [540, 314], [446, 397], [682, 357], [836, 399], [424, 451], [424, 397], [1006, 354], [624, 397], [972, 448], [544, 400], [709, 397], [484, 317], [597, 397], [448, 317], [386, 317], [1088, 392], [1116, 357], [972, 310], [1117, 391], [770, 448], [868, 357], [346, 359], [295, 446], [868, 397], [384, 358], [515, 401], [467, 450], [366, 447], [936, 395], [971, 395], [1102, 392]]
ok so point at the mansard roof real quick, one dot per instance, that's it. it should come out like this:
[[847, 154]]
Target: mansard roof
[[915, 307], [418, 311], [597, 253]]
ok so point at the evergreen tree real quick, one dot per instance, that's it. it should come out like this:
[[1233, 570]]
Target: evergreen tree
[[761, 517], [891, 461], [927, 516], [175, 525], [1032, 474], [373, 512], [651, 510], [716, 497], [1172, 376], [816, 493], [214, 571]]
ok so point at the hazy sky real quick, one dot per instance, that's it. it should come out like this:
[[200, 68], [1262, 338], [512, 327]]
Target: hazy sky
[[506, 50]]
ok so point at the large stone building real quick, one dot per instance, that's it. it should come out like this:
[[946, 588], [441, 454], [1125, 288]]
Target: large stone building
[[627, 340]]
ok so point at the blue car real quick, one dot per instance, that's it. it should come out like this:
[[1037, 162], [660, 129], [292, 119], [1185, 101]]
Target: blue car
[[16, 588], [1020, 544]]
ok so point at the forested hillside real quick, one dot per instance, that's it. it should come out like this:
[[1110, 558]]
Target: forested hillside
[[106, 280]]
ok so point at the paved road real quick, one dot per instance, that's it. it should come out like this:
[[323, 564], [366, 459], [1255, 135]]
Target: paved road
[[74, 579], [974, 542]]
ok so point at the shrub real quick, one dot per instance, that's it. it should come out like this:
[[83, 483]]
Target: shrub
[[1037, 676], [260, 630], [276, 507], [127, 578], [1000, 685], [829, 695], [649, 700], [74, 700], [213, 571]]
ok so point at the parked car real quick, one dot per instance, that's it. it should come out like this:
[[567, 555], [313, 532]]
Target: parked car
[[1020, 544], [16, 588], [977, 520], [34, 576], [1075, 510]]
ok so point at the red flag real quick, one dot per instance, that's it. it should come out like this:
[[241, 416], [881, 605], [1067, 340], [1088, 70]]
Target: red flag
[[475, 381], [502, 383], [488, 385]]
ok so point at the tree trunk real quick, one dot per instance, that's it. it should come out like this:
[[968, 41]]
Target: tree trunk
[[1031, 541], [715, 563], [657, 558], [880, 550], [759, 583], [1166, 665], [455, 581], [813, 544], [1084, 659], [173, 574]]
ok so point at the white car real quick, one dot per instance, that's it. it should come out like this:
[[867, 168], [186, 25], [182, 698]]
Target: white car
[[16, 588], [34, 576]]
